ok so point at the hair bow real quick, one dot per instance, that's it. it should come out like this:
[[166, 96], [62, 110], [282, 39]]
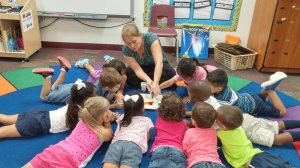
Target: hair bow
[[133, 97], [80, 84]]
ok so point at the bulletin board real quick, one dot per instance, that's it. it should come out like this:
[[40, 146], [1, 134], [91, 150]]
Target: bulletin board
[[220, 15]]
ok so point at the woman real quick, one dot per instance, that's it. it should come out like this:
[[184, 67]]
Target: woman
[[145, 58]]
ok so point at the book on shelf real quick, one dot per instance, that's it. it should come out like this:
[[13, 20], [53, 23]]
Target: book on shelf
[[5, 39]]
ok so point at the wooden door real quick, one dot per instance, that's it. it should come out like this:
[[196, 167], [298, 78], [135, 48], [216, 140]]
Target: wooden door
[[284, 44]]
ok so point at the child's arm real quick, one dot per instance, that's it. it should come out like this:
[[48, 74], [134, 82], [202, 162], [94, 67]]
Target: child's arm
[[188, 114], [123, 83], [107, 132], [167, 83], [148, 135], [110, 96], [119, 96], [117, 105]]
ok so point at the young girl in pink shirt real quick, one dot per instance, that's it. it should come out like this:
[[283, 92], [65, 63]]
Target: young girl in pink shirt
[[132, 134], [170, 127], [188, 70], [77, 149], [200, 143]]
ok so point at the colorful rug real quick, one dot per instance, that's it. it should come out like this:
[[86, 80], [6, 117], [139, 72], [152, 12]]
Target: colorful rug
[[5, 86], [23, 78], [16, 152]]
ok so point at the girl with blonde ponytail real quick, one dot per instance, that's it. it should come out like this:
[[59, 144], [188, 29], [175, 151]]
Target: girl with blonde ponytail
[[77, 149]]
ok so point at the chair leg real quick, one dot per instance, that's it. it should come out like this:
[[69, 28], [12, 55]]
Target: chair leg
[[177, 48]]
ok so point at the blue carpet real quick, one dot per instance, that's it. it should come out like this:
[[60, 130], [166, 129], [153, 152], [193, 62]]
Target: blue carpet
[[15, 152], [287, 100]]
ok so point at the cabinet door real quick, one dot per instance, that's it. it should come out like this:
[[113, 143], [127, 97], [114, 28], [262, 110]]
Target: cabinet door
[[284, 44]]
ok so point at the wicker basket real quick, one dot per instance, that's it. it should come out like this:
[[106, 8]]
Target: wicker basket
[[234, 62]]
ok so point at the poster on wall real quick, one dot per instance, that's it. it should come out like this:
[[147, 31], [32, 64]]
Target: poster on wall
[[220, 15], [194, 42], [27, 20], [182, 8], [202, 9]]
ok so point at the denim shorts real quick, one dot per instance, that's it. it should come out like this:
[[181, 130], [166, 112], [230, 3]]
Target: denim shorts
[[263, 108], [266, 160], [166, 156], [60, 95], [124, 153], [207, 165], [33, 123]]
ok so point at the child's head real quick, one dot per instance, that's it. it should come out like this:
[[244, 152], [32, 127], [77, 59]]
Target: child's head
[[110, 79], [229, 117], [199, 91], [133, 106], [118, 65], [187, 67], [171, 108], [217, 80], [203, 115], [80, 91], [93, 111]]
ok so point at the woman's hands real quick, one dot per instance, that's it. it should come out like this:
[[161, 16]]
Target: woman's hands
[[153, 88]]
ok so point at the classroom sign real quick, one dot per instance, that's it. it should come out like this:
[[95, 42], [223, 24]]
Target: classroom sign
[[220, 15]]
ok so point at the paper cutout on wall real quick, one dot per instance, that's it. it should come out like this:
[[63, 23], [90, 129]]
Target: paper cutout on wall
[[202, 9], [182, 8]]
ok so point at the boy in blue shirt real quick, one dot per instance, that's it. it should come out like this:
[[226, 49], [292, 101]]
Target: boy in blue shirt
[[252, 103]]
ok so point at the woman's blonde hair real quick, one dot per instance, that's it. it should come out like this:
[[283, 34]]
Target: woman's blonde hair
[[93, 108], [130, 30]]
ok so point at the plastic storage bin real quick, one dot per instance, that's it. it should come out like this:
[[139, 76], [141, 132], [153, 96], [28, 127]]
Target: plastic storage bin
[[234, 62]]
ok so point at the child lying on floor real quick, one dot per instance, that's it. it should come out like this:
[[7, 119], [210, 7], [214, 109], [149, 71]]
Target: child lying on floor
[[260, 131], [188, 70], [238, 150], [78, 148], [109, 83], [39, 121], [110, 62], [253, 104]]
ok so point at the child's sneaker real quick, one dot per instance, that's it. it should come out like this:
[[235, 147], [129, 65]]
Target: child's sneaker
[[45, 72], [108, 58], [274, 81], [81, 63], [64, 63]]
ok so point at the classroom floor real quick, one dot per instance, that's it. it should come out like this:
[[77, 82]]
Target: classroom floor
[[47, 56]]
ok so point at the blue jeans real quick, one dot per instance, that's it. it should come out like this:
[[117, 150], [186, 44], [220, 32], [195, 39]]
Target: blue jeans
[[60, 95], [166, 156], [266, 160], [207, 165], [263, 108]]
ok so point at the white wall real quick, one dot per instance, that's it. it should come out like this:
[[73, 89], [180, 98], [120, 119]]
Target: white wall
[[65, 30]]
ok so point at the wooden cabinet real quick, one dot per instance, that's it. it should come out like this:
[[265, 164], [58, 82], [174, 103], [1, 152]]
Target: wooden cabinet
[[275, 35], [26, 21]]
